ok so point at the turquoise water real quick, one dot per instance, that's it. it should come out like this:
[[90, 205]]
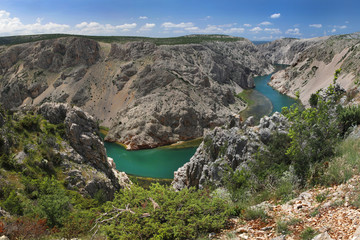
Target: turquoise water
[[265, 100], [154, 163], [162, 162], [277, 99]]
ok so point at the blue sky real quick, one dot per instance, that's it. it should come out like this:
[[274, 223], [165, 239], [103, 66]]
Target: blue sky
[[253, 19]]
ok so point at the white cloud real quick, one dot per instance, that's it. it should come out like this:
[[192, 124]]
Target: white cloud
[[247, 25], [179, 25], [97, 28], [234, 30], [265, 23], [333, 30], [256, 29], [275, 15], [294, 31], [143, 17], [273, 30], [192, 29], [318, 25], [147, 27], [341, 27], [13, 26], [227, 25]]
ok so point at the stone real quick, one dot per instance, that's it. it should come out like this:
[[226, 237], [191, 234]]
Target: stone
[[233, 147], [356, 235], [322, 236], [281, 237]]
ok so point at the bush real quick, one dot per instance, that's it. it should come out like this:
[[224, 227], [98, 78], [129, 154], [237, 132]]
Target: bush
[[255, 213], [308, 234], [180, 215], [314, 134], [13, 204], [313, 101], [348, 117]]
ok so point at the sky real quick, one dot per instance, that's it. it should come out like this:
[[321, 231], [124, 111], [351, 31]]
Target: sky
[[252, 19]]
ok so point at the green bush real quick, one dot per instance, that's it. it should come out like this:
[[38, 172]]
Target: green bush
[[314, 134], [181, 215], [348, 117], [13, 204], [308, 234], [313, 101], [255, 213]]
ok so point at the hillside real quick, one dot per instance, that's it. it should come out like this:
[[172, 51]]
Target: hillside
[[147, 95], [312, 62]]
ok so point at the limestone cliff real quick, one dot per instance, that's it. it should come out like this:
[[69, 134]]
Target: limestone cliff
[[223, 148], [148, 95], [313, 63], [84, 159]]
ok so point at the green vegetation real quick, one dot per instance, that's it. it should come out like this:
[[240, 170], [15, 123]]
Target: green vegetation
[[189, 39], [185, 144], [244, 96], [32, 188], [31, 185], [255, 213], [308, 234], [162, 213]]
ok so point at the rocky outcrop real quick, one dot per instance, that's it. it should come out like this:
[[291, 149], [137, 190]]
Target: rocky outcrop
[[84, 159], [223, 148], [313, 63], [185, 89], [334, 217], [148, 95]]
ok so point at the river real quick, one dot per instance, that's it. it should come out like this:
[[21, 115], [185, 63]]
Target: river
[[162, 162]]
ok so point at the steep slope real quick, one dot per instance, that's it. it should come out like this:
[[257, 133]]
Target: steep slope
[[313, 63], [60, 142], [223, 148], [148, 95]]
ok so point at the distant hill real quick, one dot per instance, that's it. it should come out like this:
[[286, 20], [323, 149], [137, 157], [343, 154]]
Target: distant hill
[[189, 39]]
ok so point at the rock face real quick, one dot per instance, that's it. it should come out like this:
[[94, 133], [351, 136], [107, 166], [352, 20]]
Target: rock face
[[224, 148], [84, 159], [313, 63], [185, 89], [148, 95]]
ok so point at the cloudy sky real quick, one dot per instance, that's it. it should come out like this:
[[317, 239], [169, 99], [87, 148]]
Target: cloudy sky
[[253, 19]]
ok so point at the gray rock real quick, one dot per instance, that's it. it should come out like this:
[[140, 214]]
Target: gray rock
[[233, 147], [322, 236], [356, 235], [20, 157], [250, 121], [281, 237], [84, 159]]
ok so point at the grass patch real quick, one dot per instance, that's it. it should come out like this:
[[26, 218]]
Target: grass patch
[[245, 96], [345, 165], [308, 234], [184, 144], [255, 213], [321, 197]]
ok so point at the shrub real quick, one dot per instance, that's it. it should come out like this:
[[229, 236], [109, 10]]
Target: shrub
[[13, 204], [180, 215], [26, 228], [313, 101], [255, 213], [308, 234], [348, 117], [313, 136]]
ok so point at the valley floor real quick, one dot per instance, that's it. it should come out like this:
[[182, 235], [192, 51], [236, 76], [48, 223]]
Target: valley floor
[[332, 212]]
